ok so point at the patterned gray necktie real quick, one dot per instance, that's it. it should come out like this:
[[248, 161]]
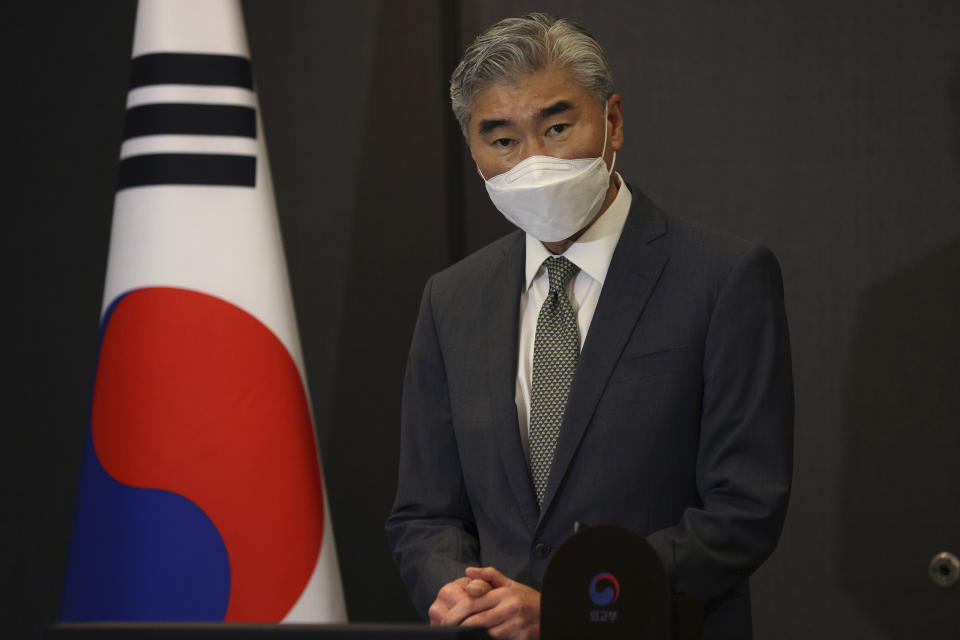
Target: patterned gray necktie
[[556, 349]]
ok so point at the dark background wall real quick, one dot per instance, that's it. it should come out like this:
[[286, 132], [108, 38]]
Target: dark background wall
[[828, 130]]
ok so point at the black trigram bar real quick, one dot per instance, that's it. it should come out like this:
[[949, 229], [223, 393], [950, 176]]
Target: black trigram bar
[[196, 119], [188, 168], [190, 68]]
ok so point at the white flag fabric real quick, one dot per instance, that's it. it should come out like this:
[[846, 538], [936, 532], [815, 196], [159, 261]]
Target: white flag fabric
[[201, 494]]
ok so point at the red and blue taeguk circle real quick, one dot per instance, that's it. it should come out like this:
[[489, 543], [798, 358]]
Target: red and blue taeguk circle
[[604, 589]]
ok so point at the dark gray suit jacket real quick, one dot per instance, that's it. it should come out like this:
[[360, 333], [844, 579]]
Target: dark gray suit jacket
[[679, 423]]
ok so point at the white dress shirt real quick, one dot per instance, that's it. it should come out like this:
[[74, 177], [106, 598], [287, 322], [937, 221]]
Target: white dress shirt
[[591, 252]]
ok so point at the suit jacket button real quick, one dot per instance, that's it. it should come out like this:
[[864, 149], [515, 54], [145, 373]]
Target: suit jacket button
[[541, 549]]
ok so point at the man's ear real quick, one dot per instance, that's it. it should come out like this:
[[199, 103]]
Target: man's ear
[[615, 121]]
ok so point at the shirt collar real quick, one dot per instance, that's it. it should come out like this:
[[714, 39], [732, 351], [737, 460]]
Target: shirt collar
[[593, 250]]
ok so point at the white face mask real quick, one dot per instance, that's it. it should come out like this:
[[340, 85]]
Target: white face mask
[[552, 198]]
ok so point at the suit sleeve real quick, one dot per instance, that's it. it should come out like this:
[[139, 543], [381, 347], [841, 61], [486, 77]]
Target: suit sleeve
[[431, 529], [745, 451]]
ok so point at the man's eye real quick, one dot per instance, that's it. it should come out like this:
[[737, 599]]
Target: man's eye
[[558, 128], [503, 143]]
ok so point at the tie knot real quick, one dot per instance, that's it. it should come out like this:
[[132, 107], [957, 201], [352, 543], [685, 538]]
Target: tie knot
[[559, 271]]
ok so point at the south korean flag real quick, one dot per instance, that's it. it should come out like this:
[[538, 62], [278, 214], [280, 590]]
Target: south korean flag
[[201, 495]]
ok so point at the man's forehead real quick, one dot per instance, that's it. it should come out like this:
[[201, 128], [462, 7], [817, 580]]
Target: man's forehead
[[527, 96]]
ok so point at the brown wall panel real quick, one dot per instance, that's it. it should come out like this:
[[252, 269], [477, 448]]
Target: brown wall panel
[[352, 109]]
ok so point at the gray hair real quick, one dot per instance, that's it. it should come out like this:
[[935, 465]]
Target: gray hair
[[518, 46]]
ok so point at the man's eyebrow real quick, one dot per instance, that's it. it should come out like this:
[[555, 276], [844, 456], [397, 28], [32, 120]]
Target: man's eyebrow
[[486, 126], [557, 107]]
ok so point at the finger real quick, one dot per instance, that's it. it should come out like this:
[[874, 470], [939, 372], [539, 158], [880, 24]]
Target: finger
[[494, 608], [509, 629], [478, 588], [461, 610], [453, 592], [489, 574], [447, 597], [488, 618], [436, 611]]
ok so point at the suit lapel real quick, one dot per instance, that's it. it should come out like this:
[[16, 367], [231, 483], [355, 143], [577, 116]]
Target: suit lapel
[[633, 274], [501, 299]]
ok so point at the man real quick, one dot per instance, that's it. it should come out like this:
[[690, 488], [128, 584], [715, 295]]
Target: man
[[606, 364]]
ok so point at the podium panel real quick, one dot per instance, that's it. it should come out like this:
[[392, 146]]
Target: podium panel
[[606, 583], [241, 631]]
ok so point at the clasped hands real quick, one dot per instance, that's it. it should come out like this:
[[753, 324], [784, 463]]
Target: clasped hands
[[484, 597]]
